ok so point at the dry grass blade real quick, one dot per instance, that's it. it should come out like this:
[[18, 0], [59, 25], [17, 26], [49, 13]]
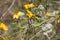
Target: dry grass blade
[[8, 9]]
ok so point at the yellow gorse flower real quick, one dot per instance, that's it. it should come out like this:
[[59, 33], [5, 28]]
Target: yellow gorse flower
[[59, 20], [30, 14], [5, 38], [29, 5], [3, 27], [48, 14], [17, 15]]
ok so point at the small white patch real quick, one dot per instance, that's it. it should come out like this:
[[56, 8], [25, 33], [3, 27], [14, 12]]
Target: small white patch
[[41, 7]]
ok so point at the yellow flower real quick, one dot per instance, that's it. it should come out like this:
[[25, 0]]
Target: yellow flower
[[48, 14], [29, 5], [3, 27], [17, 15], [5, 38], [26, 6], [30, 14], [59, 20]]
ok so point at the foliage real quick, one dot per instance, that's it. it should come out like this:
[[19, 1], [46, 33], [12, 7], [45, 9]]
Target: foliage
[[29, 20]]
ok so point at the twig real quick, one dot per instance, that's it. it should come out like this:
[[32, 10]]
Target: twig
[[40, 30], [35, 35], [13, 34], [8, 9], [25, 31]]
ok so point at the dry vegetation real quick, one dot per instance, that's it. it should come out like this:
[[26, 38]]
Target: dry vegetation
[[29, 19]]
